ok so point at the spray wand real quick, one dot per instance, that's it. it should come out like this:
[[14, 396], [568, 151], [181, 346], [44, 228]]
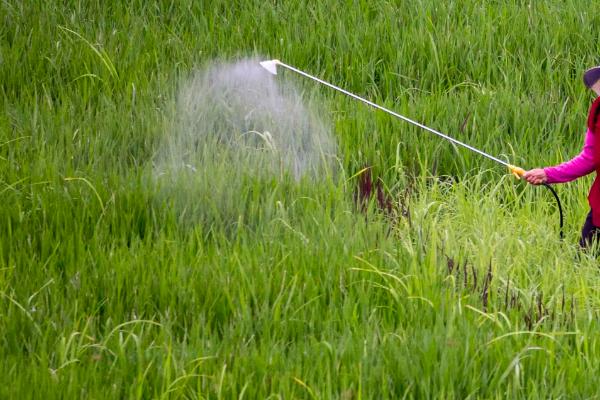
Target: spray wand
[[518, 172]]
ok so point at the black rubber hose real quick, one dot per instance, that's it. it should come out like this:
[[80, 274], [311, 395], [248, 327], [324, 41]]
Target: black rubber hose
[[560, 210]]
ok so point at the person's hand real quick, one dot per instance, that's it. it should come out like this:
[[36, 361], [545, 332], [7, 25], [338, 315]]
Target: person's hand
[[535, 176]]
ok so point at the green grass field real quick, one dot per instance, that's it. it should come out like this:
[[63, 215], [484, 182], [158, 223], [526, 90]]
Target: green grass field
[[239, 285]]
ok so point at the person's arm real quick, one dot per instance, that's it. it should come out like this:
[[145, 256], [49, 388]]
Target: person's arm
[[578, 166]]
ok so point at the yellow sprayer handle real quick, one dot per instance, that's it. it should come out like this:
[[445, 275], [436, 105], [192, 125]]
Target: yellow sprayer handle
[[518, 172]]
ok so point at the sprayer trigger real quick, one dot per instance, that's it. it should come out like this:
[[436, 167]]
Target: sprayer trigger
[[518, 172]]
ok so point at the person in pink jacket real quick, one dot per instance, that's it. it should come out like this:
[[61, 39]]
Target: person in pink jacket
[[585, 163]]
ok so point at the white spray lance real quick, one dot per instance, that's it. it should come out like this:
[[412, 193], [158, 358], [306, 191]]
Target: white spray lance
[[271, 66]]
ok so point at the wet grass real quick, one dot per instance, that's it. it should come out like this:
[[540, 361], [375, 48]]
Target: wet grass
[[446, 280]]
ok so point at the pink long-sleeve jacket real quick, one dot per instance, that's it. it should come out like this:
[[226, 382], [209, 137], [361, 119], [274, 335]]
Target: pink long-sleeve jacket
[[577, 167], [581, 165]]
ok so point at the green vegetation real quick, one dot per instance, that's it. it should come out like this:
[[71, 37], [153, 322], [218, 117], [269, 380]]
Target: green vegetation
[[284, 289]]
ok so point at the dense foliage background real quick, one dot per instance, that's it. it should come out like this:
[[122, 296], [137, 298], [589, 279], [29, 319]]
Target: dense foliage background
[[109, 289]]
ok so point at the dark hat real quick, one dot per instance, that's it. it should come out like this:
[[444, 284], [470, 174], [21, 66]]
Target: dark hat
[[591, 76]]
